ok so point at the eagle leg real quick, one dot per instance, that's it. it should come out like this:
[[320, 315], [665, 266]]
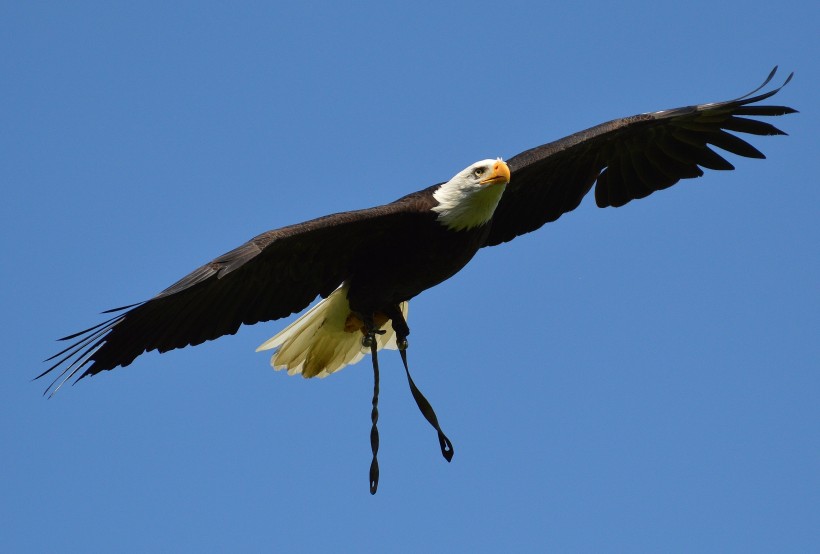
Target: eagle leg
[[402, 330]]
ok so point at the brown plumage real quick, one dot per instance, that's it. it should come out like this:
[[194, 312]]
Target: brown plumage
[[390, 253]]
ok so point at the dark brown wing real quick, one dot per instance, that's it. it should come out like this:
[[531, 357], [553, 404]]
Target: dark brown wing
[[271, 276], [628, 158]]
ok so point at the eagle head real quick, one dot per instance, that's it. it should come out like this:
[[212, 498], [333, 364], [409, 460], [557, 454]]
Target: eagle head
[[469, 199]]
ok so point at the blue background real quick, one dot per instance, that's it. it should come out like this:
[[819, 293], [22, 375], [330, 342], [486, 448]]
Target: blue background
[[634, 379]]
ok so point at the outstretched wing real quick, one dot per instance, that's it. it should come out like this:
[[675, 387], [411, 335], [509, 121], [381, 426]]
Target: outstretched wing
[[271, 276], [627, 159]]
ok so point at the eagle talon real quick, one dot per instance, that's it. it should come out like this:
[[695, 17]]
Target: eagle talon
[[369, 338]]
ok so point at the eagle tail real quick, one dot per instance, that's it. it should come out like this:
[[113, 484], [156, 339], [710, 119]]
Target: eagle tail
[[317, 343]]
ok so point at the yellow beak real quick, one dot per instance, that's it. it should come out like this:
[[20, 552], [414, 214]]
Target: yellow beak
[[499, 176]]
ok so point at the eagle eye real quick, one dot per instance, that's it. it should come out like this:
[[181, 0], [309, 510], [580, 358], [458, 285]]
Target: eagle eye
[[479, 171]]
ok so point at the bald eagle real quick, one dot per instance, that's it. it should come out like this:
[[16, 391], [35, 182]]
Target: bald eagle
[[368, 264]]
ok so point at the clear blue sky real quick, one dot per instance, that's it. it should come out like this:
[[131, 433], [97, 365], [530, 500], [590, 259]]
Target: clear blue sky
[[642, 379]]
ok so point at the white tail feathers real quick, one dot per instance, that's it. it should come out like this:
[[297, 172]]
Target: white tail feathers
[[317, 344]]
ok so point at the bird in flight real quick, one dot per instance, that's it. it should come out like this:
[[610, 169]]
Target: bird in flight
[[367, 264]]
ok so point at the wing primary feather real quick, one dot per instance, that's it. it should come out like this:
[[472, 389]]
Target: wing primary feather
[[710, 159], [764, 110], [80, 362], [733, 144], [692, 147], [766, 82], [602, 190], [618, 190], [635, 186], [751, 126], [745, 98], [74, 335], [69, 347], [649, 182], [649, 172], [585, 175], [732, 104], [688, 138], [113, 310], [662, 162], [76, 347], [682, 153]]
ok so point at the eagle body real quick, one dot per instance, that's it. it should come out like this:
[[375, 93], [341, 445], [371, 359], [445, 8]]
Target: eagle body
[[433, 234], [390, 270], [367, 264], [419, 254]]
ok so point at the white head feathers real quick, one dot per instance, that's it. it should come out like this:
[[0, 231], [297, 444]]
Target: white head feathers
[[469, 199]]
